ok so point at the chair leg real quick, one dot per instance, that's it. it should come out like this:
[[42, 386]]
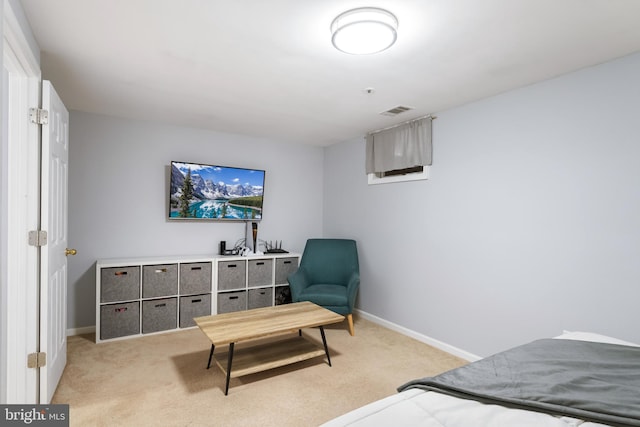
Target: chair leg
[[350, 319]]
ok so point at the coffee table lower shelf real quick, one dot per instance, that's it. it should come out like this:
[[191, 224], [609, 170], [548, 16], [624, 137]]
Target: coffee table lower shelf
[[258, 358]]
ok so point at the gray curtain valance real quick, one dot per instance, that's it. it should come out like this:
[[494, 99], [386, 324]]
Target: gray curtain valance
[[400, 147]]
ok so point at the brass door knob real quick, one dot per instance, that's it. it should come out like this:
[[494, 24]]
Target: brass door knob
[[70, 252]]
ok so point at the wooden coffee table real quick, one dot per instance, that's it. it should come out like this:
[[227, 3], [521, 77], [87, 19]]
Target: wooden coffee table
[[230, 328]]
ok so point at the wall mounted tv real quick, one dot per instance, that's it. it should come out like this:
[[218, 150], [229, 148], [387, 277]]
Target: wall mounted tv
[[209, 192]]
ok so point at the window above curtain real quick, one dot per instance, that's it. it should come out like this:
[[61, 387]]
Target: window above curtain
[[405, 146]]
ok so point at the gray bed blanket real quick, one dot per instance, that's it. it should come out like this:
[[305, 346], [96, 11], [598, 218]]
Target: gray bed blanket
[[591, 381]]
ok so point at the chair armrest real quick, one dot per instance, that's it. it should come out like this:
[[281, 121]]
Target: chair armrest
[[352, 289], [297, 282]]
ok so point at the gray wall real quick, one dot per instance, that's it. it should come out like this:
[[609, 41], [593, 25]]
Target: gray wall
[[118, 189], [529, 225]]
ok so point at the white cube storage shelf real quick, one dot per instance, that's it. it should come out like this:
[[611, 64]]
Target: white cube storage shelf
[[136, 296]]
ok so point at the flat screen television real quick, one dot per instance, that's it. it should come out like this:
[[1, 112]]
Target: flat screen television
[[208, 192]]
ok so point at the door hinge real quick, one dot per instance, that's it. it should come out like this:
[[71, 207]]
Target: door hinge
[[37, 238], [36, 360], [39, 116]]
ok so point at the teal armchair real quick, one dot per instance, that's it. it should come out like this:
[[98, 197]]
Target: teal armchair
[[328, 275]]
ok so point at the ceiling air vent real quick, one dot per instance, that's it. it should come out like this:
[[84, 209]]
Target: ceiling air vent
[[396, 110]]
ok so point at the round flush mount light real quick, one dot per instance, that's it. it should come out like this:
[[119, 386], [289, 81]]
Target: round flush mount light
[[364, 30]]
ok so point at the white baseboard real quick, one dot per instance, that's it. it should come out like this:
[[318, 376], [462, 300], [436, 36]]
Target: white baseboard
[[422, 338], [375, 319], [81, 331]]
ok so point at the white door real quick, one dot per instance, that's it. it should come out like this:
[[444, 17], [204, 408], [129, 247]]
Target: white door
[[20, 205], [53, 261]]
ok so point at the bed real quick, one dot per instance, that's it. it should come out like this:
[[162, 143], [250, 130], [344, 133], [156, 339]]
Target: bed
[[577, 379]]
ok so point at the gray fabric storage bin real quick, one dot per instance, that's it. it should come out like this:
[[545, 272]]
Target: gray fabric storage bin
[[282, 295], [194, 306], [260, 298], [159, 280], [284, 267], [260, 272], [119, 320], [159, 315], [232, 301], [231, 275], [119, 284], [195, 278]]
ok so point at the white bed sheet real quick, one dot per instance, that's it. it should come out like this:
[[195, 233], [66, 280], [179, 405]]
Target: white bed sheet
[[420, 408]]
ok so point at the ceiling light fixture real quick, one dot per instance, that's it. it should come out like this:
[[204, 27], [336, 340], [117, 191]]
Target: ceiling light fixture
[[364, 30]]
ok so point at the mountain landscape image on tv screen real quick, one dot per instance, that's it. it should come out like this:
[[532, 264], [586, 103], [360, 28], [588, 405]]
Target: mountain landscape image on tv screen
[[215, 192]]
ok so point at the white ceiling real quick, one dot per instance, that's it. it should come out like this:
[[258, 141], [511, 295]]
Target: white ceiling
[[267, 67]]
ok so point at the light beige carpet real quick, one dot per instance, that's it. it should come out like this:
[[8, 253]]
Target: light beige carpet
[[161, 380]]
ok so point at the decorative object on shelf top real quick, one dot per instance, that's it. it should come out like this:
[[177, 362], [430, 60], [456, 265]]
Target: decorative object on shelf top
[[272, 248], [239, 248], [244, 247], [231, 252], [251, 236]]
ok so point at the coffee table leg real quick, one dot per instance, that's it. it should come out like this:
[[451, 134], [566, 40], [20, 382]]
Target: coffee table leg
[[210, 355], [324, 341], [226, 389]]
